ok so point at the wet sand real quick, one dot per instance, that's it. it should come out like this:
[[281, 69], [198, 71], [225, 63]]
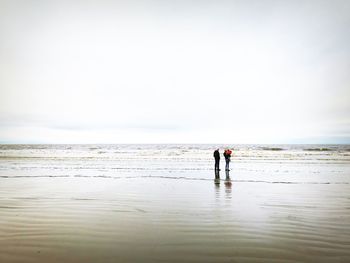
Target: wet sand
[[170, 220]]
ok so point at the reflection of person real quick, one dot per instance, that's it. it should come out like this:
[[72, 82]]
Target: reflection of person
[[217, 177], [217, 174], [228, 185], [217, 159], [228, 180], [227, 155]]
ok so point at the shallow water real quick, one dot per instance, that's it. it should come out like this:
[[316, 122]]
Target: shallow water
[[161, 204]]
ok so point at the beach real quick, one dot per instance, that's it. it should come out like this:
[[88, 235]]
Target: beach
[[161, 203]]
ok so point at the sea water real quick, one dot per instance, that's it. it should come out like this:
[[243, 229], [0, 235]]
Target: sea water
[[271, 163]]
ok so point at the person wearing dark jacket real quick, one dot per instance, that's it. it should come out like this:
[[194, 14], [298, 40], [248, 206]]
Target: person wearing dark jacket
[[217, 160]]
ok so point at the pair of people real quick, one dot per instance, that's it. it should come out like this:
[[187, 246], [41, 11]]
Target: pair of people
[[227, 155]]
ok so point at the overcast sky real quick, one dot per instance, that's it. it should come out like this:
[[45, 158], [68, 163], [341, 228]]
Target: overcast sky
[[174, 71]]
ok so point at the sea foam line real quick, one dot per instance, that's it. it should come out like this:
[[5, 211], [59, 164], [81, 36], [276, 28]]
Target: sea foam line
[[172, 178]]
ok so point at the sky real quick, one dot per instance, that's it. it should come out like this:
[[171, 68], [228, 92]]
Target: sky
[[182, 71]]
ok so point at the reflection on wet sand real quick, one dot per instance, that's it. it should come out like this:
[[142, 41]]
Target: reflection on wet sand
[[228, 185], [217, 184], [217, 177]]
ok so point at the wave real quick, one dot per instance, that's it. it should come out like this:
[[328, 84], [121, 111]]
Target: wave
[[318, 149], [272, 149]]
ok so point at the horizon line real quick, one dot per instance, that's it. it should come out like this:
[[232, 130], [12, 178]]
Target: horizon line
[[171, 143]]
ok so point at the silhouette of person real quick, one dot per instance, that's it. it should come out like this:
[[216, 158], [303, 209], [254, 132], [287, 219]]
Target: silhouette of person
[[217, 160]]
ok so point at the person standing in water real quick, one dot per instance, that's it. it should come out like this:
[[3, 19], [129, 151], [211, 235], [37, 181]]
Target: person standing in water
[[217, 160], [227, 155]]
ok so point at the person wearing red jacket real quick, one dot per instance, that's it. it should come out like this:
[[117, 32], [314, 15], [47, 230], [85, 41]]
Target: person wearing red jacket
[[227, 155]]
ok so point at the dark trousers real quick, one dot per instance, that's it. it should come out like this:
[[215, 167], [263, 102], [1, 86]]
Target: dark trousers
[[227, 167], [217, 164]]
